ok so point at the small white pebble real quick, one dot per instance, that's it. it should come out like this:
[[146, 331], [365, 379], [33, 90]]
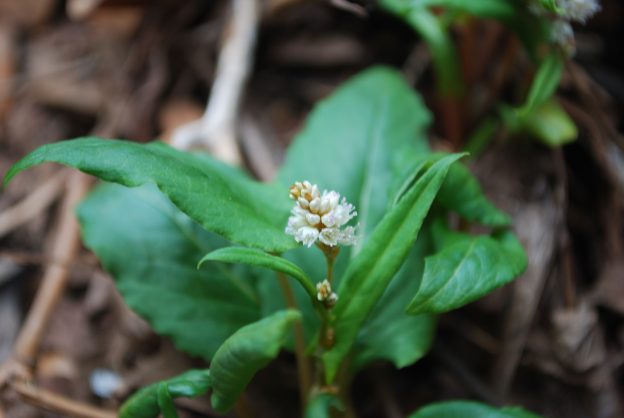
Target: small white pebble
[[104, 382]]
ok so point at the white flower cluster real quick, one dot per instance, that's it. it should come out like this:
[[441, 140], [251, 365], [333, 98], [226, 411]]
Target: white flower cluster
[[568, 11], [324, 293], [317, 216], [579, 10]]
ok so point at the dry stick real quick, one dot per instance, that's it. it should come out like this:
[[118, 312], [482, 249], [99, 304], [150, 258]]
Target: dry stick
[[537, 225], [32, 205], [350, 7], [25, 257], [569, 288], [58, 404], [216, 129], [65, 247], [303, 366]]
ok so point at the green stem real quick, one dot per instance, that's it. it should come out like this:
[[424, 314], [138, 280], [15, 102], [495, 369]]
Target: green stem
[[330, 256]]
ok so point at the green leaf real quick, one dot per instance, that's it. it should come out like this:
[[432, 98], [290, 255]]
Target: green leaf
[[545, 82], [467, 268], [462, 193], [218, 197], [259, 258], [321, 405], [530, 29], [244, 353], [439, 41], [389, 333], [469, 409], [382, 255], [361, 142], [146, 402], [497, 9], [165, 402], [151, 250], [550, 124], [550, 5], [482, 136]]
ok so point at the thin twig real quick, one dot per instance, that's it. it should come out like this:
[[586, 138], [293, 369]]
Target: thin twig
[[354, 8], [537, 224], [65, 245], [32, 205], [216, 129], [303, 366], [56, 403]]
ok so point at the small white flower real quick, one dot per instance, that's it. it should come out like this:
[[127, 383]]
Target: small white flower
[[324, 293], [567, 11], [320, 216], [579, 10], [562, 34]]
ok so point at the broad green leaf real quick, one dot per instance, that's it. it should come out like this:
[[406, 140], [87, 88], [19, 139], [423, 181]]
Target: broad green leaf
[[370, 272], [218, 197], [550, 124], [465, 269], [151, 250], [244, 353], [545, 82], [361, 142], [462, 193], [254, 257], [469, 409], [321, 405], [389, 333], [145, 403]]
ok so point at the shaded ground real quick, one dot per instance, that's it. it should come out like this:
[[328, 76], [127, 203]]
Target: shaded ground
[[552, 342]]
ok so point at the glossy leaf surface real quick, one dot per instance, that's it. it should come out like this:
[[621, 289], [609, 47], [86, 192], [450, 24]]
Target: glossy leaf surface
[[244, 353], [254, 257], [145, 403], [370, 272], [461, 193], [390, 333], [550, 124], [545, 82], [151, 250], [220, 198], [468, 409], [361, 142], [465, 269], [321, 406]]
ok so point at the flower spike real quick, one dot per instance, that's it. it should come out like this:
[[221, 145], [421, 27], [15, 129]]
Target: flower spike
[[319, 216]]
